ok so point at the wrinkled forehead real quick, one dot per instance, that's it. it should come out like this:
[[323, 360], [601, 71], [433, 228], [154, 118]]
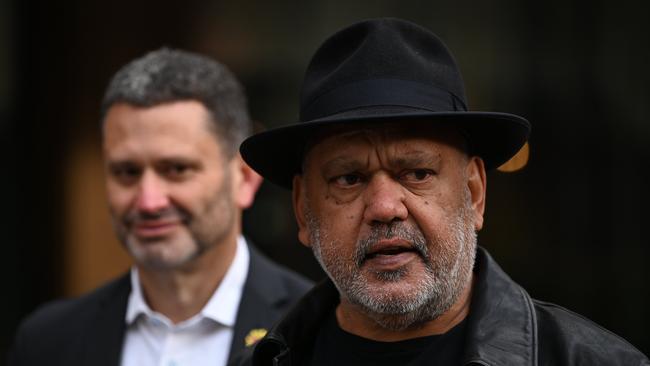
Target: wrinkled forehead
[[383, 135]]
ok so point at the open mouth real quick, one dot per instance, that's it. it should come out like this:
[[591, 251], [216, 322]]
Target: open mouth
[[388, 251], [389, 255]]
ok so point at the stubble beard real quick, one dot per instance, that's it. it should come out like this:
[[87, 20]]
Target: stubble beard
[[448, 263], [201, 233]]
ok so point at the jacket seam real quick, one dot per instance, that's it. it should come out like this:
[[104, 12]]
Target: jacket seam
[[533, 325], [587, 321]]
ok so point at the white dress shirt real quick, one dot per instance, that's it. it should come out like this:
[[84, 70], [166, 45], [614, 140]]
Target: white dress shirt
[[153, 340]]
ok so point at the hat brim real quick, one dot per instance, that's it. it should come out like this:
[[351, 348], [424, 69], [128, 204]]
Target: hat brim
[[277, 154]]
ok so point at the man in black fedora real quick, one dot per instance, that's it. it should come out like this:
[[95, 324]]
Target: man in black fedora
[[388, 171]]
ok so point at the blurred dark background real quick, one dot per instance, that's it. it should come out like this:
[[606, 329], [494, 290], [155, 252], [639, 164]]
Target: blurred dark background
[[569, 227]]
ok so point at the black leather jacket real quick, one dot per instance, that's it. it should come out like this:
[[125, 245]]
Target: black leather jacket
[[505, 327]]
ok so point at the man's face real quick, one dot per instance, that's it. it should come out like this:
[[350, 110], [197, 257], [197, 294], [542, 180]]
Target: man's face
[[171, 191], [391, 215]]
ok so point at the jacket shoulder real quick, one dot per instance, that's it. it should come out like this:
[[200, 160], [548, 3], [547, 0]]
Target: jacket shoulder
[[52, 327], [265, 270], [568, 338], [64, 313]]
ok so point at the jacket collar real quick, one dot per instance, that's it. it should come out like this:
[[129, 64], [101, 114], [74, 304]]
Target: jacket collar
[[263, 295], [263, 298], [291, 340], [104, 334], [502, 328]]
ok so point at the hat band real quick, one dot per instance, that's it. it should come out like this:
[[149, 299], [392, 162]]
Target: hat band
[[382, 92]]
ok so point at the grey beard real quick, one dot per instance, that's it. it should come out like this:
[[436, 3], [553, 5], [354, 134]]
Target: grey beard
[[447, 271]]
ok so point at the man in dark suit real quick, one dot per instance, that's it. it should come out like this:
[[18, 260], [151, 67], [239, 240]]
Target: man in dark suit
[[197, 293]]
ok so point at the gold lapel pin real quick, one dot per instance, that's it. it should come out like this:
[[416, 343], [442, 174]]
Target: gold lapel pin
[[254, 336]]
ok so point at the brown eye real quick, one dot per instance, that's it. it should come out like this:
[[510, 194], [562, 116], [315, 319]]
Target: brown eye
[[176, 171], [347, 180], [418, 175], [126, 173]]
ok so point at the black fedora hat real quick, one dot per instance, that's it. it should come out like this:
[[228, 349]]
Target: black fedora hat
[[382, 70]]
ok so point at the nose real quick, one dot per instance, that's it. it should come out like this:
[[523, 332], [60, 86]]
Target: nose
[[384, 199], [152, 195]]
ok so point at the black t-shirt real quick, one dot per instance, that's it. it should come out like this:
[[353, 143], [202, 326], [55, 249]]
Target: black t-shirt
[[335, 347]]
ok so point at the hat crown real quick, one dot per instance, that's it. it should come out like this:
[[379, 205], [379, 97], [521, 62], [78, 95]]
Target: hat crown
[[392, 55], [378, 71]]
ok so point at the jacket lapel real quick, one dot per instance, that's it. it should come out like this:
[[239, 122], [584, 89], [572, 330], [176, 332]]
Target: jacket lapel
[[262, 301], [502, 326], [104, 335]]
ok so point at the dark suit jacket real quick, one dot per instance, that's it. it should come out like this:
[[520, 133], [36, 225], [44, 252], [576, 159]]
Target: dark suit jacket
[[90, 330]]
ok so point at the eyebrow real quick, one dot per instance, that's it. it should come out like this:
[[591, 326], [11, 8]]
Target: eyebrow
[[415, 158], [119, 162], [171, 159], [343, 164], [412, 158]]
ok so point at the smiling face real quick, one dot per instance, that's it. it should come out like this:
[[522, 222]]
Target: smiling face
[[172, 193], [391, 215]]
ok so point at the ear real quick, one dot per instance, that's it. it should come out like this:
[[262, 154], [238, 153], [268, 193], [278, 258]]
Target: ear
[[246, 182], [477, 184], [299, 202]]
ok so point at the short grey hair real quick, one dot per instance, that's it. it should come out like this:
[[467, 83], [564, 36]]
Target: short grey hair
[[167, 75]]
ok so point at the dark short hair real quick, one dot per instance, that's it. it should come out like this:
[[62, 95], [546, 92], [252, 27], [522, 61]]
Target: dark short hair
[[168, 75]]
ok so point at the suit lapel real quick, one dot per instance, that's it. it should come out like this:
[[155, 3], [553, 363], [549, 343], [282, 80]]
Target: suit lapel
[[261, 303], [263, 299], [104, 335]]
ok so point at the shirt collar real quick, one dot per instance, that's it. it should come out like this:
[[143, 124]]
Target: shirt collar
[[136, 304], [222, 306], [224, 303]]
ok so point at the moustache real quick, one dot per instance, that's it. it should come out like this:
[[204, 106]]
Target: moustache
[[395, 230], [169, 214]]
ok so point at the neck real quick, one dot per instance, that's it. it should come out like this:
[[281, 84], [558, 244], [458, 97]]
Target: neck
[[181, 293], [353, 319]]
